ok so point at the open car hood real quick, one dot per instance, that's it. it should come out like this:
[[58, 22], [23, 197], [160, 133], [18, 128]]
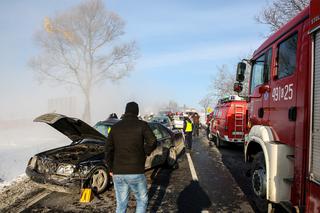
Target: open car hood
[[73, 128]]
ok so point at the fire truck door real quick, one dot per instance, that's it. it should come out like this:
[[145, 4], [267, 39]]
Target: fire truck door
[[259, 92], [283, 109]]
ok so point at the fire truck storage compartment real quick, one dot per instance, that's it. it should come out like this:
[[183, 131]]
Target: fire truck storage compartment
[[315, 144]]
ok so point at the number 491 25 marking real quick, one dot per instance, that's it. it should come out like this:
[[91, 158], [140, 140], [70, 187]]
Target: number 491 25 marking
[[282, 93]]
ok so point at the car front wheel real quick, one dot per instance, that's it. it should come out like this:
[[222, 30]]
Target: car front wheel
[[99, 179], [172, 157]]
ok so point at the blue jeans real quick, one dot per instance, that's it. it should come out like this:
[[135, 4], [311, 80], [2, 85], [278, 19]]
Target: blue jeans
[[135, 183]]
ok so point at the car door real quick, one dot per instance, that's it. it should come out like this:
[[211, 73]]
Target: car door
[[166, 142], [177, 140], [157, 156]]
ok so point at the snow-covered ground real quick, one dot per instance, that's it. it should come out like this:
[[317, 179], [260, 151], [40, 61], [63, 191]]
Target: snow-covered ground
[[17, 145], [5, 184]]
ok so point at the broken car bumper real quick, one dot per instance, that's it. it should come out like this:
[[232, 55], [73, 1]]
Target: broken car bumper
[[55, 182]]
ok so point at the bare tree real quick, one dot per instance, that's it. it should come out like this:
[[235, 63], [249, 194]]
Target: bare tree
[[205, 102], [222, 83], [279, 12], [82, 47], [173, 106]]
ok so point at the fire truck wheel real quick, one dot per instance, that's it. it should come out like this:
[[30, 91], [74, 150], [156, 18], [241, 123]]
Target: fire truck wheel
[[209, 136], [219, 142], [258, 178]]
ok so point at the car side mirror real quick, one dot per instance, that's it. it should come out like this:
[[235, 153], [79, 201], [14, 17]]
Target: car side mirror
[[237, 87], [241, 68]]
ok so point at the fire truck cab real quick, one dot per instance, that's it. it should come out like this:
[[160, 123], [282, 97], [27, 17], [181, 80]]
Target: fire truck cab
[[283, 144], [228, 123]]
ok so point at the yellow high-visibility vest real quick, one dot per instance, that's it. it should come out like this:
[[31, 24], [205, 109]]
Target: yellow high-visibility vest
[[109, 129], [188, 126]]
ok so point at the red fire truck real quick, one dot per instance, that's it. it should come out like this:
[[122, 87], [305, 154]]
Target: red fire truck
[[228, 123], [283, 144]]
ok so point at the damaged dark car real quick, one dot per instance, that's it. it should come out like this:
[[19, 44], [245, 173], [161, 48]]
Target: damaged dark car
[[81, 164]]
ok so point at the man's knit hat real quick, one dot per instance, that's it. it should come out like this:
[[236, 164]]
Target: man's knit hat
[[132, 108]]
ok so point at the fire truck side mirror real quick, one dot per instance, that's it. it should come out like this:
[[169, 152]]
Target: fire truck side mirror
[[240, 71], [237, 87], [264, 88]]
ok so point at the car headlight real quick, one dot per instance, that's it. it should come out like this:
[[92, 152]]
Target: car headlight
[[32, 162], [65, 169]]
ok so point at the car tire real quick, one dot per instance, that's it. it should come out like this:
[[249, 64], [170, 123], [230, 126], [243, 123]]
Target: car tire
[[100, 179], [171, 158]]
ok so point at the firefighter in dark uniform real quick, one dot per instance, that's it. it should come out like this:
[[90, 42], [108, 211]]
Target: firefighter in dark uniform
[[187, 129], [196, 124]]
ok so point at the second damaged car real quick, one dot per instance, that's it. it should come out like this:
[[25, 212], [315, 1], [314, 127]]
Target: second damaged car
[[81, 164]]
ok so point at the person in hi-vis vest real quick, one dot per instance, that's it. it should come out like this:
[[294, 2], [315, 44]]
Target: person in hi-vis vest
[[187, 129]]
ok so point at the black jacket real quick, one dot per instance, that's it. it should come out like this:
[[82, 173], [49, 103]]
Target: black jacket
[[129, 142]]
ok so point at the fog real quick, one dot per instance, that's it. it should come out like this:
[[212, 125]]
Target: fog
[[22, 98], [21, 138]]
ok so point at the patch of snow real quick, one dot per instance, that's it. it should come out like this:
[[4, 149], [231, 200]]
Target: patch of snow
[[5, 184], [18, 145]]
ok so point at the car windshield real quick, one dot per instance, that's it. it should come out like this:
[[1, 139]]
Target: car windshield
[[162, 120], [179, 118], [103, 128]]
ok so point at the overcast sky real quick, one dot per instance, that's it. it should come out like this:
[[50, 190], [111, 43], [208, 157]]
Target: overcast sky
[[181, 44]]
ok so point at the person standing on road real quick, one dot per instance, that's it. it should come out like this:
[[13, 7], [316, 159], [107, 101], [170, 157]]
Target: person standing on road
[[196, 123], [187, 129], [129, 142]]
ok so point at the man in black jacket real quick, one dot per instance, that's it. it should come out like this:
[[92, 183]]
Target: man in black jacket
[[129, 142]]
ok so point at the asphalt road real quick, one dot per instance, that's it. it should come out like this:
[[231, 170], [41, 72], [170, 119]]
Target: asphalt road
[[216, 179], [232, 158], [220, 186]]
